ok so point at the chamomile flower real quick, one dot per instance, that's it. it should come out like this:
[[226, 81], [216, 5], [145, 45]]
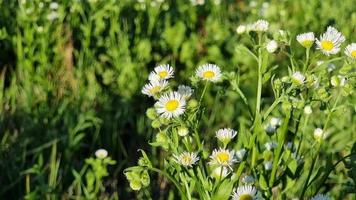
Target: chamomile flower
[[220, 172], [225, 135], [154, 87], [209, 72], [170, 105], [272, 46], [186, 159], [164, 71], [246, 192], [306, 39], [329, 42], [185, 91], [260, 25], [298, 78], [350, 50], [101, 153], [222, 157], [320, 197]]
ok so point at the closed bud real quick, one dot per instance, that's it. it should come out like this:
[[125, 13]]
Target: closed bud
[[151, 113], [156, 123]]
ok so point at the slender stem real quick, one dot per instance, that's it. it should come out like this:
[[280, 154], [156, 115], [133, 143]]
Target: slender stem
[[259, 84], [305, 67], [311, 169]]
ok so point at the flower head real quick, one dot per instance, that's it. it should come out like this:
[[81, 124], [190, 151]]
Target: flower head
[[241, 29], [222, 157], [101, 153], [225, 135], [260, 25], [246, 192], [298, 78], [186, 159], [306, 39], [350, 51], [308, 110], [185, 91], [220, 172], [320, 197], [154, 87], [164, 71], [272, 46], [209, 72], [329, 42], [170, 105], [319, 134]]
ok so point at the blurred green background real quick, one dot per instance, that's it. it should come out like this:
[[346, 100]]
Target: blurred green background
[[71, 74]]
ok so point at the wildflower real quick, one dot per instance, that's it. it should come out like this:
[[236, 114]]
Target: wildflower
[[350, 50], [241, 29], [319, 134], [246, 192], [320, 197], [271, 145], [164, 71], [268, 165], [298, 78], [154, 87], [306, 39], [308, 110], [186, 159], [248, 179], [222, 157], [209, 72], [220, 172], [260, 25], [329, 42], [101, 153], [171, 105], [225, 135], [53, 5], [185, 91], [52, 16], [240, 154], [272, 46], [183, 131]]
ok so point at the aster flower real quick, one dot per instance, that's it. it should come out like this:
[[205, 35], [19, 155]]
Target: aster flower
[[164, 71], [209, 72], [154, 87], [101, 153], [220, 172], [246, 192], [298, 78], [260, 25], [185, 91], [350, 50], [329, 42], [222, 157], [225, 135], [186, 159], [306, 39], [171, 105], [272, 46]]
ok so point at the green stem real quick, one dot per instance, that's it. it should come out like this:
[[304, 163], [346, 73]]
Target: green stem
[[305, 67]]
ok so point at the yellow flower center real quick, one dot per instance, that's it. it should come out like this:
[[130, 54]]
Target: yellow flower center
[[223, 157], [353, 54], [208, 74], [155, 89], [246, 197], [307, 43], [327, 45], [186, 159], [172, 105], [163, 74]]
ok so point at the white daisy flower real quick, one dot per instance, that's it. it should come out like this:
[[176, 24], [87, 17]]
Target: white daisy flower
[[271, 145], [170, 105], [222, 157], [185, 91], [225, 135], [272, 46], [308, 110], [209, 72], [218, 174], [275, 121], [154, 87], [241, 29], [319, 134], [153, 76], [101, 153], [350, 50], [260, 25], [240, 154], [306, 39], [298, 78], [246, 192], [329, 42], [320, 197], [186, 159], [164, 71]]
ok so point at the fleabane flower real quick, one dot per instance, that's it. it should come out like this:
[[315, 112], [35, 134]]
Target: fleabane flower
[[220, 172], [170, 105], [298, 78], [350, 51], [154, 87], [225, 135], [164, 71], [241, 29], [246, 192], [260, 25], [185, 91], [272, 46], [306, 39], [222, 157], [320, 197], [209, 72], [186, 159], [319, 134], [101, 153], [329, 42]]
